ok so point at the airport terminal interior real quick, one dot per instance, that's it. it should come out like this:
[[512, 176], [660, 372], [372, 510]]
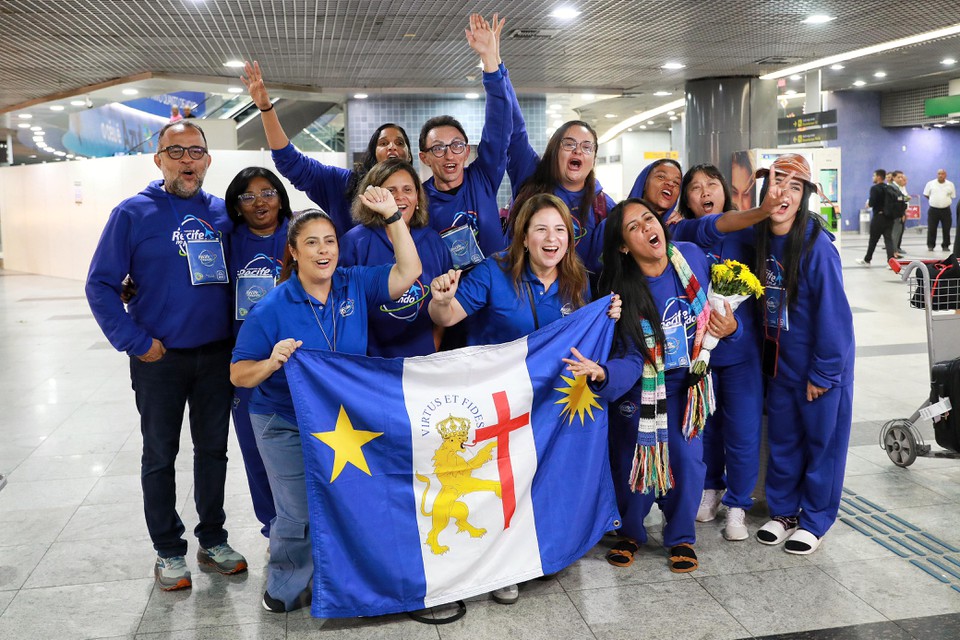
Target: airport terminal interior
[[87, 84], [76, 559]]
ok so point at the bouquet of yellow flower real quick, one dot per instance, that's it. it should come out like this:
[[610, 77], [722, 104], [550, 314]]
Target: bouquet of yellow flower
[[731, 281]]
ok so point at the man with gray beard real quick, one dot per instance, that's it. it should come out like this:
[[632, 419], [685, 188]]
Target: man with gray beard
[[177, 332]]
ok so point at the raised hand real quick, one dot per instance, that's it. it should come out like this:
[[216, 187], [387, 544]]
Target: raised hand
[[483, 39], [253, 81], [379, 200]]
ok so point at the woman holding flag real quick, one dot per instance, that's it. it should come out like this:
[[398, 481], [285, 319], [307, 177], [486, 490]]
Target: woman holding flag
[[658, 408], [320, 306], [538, 279]]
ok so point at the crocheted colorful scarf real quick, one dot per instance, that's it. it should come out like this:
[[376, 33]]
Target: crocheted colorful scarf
[[651, 459]]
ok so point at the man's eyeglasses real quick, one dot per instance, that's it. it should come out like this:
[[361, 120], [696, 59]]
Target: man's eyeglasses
[[175, 152], [439, 150], [266, 194], [569, 144]]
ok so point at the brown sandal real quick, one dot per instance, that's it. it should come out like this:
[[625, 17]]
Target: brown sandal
[[621, 553], [683, 559]]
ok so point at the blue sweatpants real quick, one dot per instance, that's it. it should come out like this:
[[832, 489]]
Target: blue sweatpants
[[257, 480], [731, 439], [808, 453], [680, 504]]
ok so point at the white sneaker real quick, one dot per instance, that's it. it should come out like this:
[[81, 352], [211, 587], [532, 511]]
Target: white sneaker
[[506, 595], [863, 262], [735, 527], [709, 503]]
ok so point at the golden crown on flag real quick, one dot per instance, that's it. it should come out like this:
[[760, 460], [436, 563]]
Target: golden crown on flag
[[454, 427]]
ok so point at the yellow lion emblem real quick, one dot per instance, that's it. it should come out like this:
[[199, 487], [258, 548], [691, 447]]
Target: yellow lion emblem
[[453, 471]]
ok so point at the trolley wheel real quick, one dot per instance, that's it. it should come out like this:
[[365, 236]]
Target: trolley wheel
[[899, 442]]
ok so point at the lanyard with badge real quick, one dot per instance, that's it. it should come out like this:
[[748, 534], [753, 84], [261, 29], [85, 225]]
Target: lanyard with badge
[[676, 344], [204, 252], [254, 281]]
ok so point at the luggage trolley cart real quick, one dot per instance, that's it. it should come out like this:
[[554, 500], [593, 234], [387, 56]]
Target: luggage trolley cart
[[938, 297]]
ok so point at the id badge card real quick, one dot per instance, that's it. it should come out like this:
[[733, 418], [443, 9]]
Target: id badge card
[[775, 311], [205, 259], [250, 290], [676, 349], [463, 247]]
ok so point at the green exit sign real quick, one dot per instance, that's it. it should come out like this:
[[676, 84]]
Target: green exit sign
[[941, 106]]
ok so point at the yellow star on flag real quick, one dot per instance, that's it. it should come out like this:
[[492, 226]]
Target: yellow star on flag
[[347, 444]]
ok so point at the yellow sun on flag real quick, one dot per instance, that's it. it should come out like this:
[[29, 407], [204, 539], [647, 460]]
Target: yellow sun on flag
[[579, 399]]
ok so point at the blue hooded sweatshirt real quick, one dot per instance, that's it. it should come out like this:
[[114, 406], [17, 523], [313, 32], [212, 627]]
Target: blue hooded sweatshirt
[[144, 237], [641, 184]]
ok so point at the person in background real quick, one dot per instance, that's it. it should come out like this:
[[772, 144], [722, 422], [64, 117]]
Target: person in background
[[259, 206], [940, 193], [402, 328], [659, 184], [332, 188], [464, 196], [897, 199], [178, 336], [175, 113], [808, 358], [881, 224], [655, 452], [188, 113], [318, 306]]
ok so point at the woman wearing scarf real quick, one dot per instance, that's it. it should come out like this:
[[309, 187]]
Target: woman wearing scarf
[[808, 355], [657, 408]]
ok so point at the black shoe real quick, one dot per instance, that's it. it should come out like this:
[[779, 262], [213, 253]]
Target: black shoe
[[273, 605]]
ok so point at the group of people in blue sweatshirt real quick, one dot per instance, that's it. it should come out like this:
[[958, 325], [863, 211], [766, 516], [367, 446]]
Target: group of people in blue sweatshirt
[[389, 266]]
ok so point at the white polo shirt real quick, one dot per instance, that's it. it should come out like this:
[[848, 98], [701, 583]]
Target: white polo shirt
[[941, 194]]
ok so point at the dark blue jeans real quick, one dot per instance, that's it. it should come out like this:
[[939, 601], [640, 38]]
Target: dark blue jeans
[[199, 377]]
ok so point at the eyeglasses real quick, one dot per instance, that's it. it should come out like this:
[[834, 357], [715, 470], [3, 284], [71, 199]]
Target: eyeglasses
[[175, 152], [266, 194], [569, 144], [439, 150]]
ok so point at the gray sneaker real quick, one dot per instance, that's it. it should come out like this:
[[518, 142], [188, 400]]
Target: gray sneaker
[[172, 573], [222, 558]]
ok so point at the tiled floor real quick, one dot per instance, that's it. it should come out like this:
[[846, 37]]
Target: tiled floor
[[75, 560]]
